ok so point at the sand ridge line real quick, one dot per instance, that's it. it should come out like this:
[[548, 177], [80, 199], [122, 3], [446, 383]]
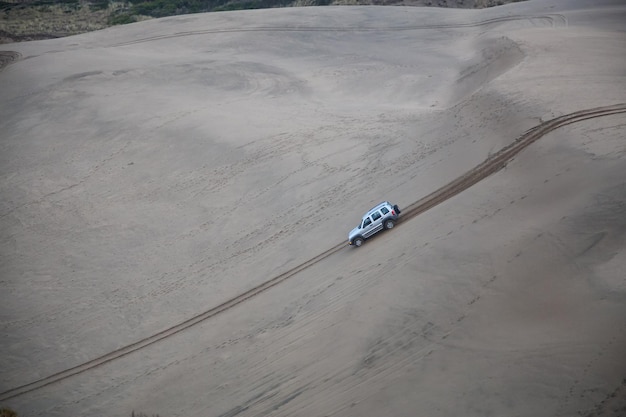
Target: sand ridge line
[[553, 19], [491, 165]]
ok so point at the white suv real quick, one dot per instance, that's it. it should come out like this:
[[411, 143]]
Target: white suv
[[383, 216]]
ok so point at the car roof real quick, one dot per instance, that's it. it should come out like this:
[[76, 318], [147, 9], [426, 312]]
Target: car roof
[[383, 204]]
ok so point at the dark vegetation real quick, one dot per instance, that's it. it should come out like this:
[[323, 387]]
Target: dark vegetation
[[27, 20], [127, 11], [7, 412]]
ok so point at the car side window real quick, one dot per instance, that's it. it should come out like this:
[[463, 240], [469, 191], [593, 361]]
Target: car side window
[[376, 216], [367, 222], [384, 210]]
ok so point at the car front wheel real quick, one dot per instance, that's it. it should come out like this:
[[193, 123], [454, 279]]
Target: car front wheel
[[357, 241]]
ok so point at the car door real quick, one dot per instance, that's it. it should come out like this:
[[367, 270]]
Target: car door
[[367, 228], [377, 221]]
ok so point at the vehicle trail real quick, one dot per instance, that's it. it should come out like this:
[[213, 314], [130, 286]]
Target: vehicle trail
[[492, 164]]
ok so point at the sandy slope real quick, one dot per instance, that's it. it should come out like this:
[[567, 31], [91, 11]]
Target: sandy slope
[[152, 171]]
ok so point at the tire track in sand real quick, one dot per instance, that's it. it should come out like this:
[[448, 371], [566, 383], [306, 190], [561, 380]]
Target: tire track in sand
[[491, 165]]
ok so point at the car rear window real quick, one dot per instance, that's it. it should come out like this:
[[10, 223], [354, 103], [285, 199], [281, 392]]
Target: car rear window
[[384, 210]]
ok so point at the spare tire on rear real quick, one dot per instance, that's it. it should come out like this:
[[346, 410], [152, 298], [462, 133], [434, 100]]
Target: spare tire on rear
[[397, 209]]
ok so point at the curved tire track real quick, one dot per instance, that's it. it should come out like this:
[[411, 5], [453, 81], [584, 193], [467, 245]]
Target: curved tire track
[[491, 165]]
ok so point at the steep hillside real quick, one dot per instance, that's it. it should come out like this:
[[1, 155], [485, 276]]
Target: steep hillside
[[32, 20]]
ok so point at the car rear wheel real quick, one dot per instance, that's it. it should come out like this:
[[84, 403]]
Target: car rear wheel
[[389, 224], [357, 241]]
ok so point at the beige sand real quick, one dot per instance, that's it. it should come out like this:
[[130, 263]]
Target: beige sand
[[153, 171]]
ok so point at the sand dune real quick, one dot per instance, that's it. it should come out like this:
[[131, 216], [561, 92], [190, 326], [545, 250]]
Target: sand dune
[[151, 172]]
